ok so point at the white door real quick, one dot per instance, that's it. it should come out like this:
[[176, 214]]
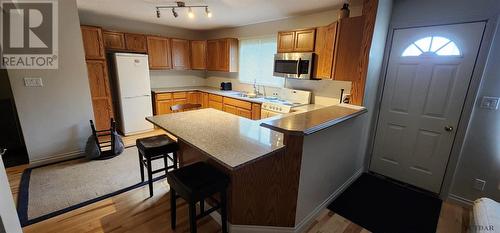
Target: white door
[[133, 74], [427, 78], [134, 111]]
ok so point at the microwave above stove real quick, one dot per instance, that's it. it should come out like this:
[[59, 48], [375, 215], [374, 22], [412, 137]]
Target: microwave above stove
[[293, 65]]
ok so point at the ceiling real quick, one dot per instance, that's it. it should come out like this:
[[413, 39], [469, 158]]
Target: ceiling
[[226, 13]]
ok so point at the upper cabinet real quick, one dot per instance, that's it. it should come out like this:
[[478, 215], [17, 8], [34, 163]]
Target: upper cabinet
[[114, 40], [338, 49], [198, 54], [222, 55], [159, 53], [296, 41], [135, 42], [180, 54], [324, 51], [93, 42], [348, 48]]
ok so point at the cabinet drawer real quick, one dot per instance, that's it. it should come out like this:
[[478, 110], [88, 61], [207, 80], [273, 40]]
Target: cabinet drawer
[[238, 103], [163, 96], [231, 109], [244, 113], [215, 105], [216, 98], [180, 95]]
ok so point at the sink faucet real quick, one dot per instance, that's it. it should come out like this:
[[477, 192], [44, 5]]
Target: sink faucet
[[256, 88]]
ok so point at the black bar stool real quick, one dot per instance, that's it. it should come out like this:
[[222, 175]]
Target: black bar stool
[[195, 183], [153, 148]]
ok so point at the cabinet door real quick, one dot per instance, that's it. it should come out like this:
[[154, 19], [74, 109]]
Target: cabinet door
[[304, 40], [230, 109], [223, 52], [135, 42], [256, 111], [180, 54], [212, 55], [286, 41], [114, 40], [244, 113], [179, 101], [159, 53], [204, 100], [324, 51], [198, 54], [194, 97], [348, 48], [163, 107], [93, 42], [100, 93]]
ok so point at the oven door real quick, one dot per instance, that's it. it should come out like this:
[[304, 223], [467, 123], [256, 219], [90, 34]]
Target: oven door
[[293, 65]]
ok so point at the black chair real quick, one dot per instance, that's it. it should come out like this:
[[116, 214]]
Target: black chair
[[195, 183], [105, 140], [153, 148], [183, 107]]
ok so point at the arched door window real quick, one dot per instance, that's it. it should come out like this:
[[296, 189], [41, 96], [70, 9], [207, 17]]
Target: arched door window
[[432, 45]]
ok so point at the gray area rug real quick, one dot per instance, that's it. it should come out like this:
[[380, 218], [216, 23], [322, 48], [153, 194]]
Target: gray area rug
[[58, 188]]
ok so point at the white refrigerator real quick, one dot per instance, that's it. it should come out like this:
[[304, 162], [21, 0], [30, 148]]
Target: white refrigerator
[[133, 92]]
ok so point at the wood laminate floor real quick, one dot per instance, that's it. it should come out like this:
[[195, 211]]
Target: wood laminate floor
[[134, 211]]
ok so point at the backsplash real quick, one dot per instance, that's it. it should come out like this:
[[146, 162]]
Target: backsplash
[[173, 78]]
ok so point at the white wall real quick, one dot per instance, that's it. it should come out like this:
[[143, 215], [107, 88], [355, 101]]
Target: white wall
[[55, 118], [480, 156], [325, 91]]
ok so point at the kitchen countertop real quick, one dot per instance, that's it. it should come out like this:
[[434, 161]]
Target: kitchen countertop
[[211, 90], [229, 139], [313, 120]]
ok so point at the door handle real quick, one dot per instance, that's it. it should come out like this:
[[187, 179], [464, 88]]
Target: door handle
[[298, 67], [448, 128], [2, 151]]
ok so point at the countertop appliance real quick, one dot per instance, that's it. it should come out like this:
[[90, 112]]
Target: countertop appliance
[[286, 101], [293, 65], [133, 92], [226, 86]]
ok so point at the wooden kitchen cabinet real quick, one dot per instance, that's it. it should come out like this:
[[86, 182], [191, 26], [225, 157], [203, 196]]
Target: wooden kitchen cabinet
[[204, 100], [296, 41], [162, 103], [256, 111], [215, 101], [159, 53], [348, 49], [222, 55], [100, 93], [194, 97], [114, 40], [237, 107], [198, 54], [180, 54], [324, 51], [93, 42], [135, 42], [230, 109]]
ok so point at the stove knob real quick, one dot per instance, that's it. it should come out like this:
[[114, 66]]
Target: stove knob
[[280, 109]]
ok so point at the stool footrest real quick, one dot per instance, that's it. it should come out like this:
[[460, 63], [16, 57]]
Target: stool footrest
[[207, 212]]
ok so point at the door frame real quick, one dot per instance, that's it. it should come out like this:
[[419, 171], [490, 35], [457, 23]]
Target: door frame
[[470, 99]]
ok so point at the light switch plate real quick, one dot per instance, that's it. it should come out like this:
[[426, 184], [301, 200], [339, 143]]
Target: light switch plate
[[479, 184], [489, 102], [33, 82]]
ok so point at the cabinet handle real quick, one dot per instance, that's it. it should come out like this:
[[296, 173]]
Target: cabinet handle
[[448, 128]]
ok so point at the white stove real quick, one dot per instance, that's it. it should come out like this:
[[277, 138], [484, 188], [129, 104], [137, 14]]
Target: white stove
[[287, 99]]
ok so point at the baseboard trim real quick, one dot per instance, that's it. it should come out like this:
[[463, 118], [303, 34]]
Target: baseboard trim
[[299, 228], [460, 200], [56, 158]]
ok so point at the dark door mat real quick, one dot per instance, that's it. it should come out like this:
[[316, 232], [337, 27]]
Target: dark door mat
[[382, 206]]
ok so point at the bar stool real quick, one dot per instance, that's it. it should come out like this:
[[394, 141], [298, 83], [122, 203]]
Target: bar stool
[[195, 183], [153, 148]]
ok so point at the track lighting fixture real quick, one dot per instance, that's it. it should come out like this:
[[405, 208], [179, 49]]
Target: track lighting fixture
[[180, 4]]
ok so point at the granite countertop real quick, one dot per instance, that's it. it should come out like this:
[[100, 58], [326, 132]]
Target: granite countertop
[[311, 121], [212, 90], [229, 139]]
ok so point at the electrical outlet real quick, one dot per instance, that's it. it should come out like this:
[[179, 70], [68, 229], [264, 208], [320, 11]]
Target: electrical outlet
[[33, 82], [479, 184], [489, 102]]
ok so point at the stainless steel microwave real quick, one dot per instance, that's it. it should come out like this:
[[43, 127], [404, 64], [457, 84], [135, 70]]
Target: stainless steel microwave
[[293, 65]]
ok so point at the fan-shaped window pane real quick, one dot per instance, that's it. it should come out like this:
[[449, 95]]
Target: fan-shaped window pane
[[449, 50], [412, 50], [432, 45]]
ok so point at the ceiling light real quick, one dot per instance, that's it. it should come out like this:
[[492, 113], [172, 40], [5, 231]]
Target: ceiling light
[[190, 13], [209, 13], [174, 13]]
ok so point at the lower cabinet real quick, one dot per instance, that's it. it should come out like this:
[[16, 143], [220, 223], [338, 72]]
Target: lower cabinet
[[163, 101]]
